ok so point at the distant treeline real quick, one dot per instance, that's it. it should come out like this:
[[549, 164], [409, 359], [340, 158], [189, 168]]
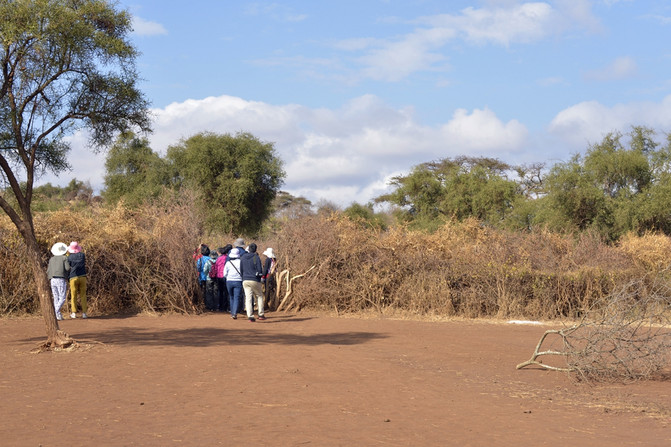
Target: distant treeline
[[619, 185]]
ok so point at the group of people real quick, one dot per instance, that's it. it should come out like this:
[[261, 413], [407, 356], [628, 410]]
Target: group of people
[[68, 266], [231, 272], [226, 275]]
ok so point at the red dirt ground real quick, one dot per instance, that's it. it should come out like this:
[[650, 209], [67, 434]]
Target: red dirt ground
[[307, 380]]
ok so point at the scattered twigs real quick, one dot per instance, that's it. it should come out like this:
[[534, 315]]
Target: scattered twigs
[[625, 336]]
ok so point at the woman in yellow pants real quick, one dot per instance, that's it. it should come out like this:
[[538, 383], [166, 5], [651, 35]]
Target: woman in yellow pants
[[77, 261]]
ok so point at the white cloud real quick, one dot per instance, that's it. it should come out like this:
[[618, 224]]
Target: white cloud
[[394, 61], [482, 131], [664, 20], [342, 155], [500, 23], [523, 23], [577, 13], [588, 122], [348, 154], [296, 17], [620, 68], [144, 27]]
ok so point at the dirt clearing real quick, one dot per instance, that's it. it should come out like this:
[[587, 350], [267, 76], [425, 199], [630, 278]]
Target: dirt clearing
[[307, 380]]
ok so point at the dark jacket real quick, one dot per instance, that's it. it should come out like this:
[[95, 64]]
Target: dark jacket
[[250, 267], [77, 264], [267, 265]]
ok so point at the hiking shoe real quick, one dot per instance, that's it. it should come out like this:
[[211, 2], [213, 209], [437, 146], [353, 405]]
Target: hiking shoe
[[73, 315], [261, 317], [84, 315], [251, 319]]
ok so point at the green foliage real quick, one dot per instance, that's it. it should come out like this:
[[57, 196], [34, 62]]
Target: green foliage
[[366, 215], [134, 172], [612, 189], [457, 188], [620, 184], [47, 197], [66, 65], [76, 194], [285, 208], [237, 178]]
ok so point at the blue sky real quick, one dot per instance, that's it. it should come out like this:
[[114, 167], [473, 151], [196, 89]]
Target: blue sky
[[354, 92]]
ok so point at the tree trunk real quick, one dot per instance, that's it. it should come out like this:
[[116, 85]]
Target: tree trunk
[[55, 337]]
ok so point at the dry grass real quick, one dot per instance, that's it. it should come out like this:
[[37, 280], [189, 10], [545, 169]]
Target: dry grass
[[463, 269], [140, 261]]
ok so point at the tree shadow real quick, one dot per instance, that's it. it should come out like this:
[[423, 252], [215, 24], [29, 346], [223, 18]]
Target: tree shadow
[[218, 336], [212, 336]]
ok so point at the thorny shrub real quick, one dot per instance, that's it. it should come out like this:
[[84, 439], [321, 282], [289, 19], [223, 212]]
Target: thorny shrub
[[138, 261], [462, 269], [141, 261]]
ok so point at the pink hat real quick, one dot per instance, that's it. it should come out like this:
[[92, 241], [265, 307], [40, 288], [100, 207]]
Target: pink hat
[[74, 247]]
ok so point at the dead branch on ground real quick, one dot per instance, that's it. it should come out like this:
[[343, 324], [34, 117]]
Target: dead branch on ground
[[626, 336], [289, 287]]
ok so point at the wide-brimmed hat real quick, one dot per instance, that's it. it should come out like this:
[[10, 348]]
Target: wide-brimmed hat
[[269, 253], [59, 249], [74, 247], [239, 242], [234, 253]]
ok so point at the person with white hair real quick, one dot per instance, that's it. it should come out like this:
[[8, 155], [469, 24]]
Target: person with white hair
[[57, 272], [233, 281]]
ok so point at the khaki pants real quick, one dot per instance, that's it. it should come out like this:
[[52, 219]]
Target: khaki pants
[[253, 289], [78, 286]]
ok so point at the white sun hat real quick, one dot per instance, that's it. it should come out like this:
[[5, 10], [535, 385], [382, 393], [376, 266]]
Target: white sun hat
[[59, 249]]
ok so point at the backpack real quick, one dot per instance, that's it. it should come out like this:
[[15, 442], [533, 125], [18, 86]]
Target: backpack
[[213, 270]]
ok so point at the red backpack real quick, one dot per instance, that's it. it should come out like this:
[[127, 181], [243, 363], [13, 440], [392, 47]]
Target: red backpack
[[213, 269]]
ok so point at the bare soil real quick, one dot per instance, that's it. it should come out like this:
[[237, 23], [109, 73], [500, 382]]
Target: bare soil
[[308, 380]]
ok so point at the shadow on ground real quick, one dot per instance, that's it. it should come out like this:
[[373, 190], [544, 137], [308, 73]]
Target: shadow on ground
[[201, 337], [248, 334]]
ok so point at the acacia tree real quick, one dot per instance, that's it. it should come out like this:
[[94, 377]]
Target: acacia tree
[[236, 177], [66, 65], [134, 172], [619, 185], [457, 188]]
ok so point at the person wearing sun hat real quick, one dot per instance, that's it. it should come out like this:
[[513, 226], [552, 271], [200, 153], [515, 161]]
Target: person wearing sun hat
[[268, 278], [77, 261], [233, 281], [57, 272]]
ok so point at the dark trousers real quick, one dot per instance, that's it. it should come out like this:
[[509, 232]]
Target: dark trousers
[[211, 295], [223, 295], [269, 291]]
